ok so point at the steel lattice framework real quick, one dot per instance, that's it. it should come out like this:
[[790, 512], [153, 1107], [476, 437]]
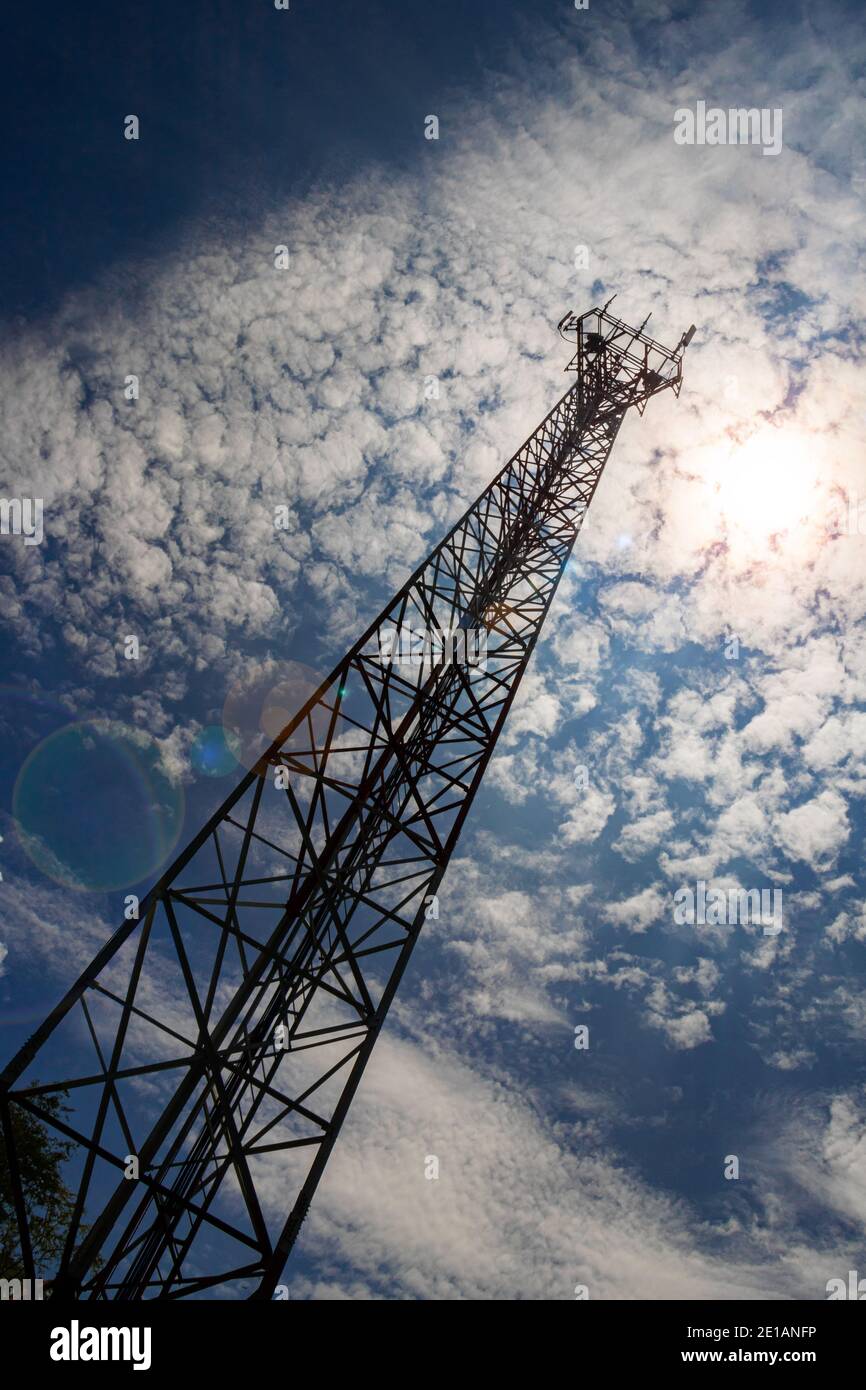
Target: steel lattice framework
[[229, 1025]]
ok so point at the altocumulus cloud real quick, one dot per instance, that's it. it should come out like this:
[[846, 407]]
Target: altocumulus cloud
[[304, 388]]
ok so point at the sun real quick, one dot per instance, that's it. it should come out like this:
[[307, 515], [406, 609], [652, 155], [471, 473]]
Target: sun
[[769, 485]]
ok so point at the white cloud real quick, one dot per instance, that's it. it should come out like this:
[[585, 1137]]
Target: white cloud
[[587, 817], [639, 837], [815, 831], [639, 911], [686, 1030], [578, 1219], [822, 1150]]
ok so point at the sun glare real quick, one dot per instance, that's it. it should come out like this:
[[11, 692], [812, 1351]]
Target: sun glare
[[768, 485]]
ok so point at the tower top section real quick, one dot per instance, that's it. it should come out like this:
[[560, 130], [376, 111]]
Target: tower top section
[[610, 351]]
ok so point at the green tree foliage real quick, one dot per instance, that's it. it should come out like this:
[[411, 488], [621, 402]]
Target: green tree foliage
[[49, 1202]]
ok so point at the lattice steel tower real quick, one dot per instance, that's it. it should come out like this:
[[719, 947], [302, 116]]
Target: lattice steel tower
[[287, 923]]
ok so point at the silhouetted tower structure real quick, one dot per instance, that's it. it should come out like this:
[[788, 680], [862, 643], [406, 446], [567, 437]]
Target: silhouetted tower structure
[[289, 920]]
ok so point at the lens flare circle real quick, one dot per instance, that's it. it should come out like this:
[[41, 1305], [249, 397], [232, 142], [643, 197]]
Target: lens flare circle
[[263, 700], [214, 751], [93, 808]]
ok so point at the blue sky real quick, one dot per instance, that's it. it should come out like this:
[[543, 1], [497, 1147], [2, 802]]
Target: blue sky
[[718, 517]]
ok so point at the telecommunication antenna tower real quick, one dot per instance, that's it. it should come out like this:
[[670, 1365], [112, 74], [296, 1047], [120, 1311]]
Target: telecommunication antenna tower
[[288, 921]]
